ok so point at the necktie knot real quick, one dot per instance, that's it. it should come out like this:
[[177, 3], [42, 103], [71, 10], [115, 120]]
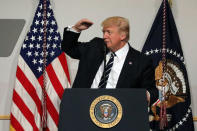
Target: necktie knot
[[113, 54]]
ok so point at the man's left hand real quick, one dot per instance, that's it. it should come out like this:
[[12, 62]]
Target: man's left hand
[[148, 97]]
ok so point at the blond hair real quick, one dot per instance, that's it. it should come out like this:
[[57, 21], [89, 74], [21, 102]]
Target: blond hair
[[121, 22]]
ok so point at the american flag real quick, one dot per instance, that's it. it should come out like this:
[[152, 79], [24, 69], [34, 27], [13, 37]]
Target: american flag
[[26, 111]]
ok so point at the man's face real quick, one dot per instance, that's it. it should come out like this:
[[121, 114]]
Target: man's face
[[113, 38]]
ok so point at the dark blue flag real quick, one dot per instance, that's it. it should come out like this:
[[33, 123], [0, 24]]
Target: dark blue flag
[[175, 79]]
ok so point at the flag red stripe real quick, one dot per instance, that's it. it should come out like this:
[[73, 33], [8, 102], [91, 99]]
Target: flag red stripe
[[15, 124], [29, 88], [24, 109], [64, 64], [50, 107], [55, 81], [52, 111]]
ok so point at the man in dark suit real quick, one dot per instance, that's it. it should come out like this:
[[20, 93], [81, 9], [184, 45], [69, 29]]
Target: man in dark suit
[[129, 68]]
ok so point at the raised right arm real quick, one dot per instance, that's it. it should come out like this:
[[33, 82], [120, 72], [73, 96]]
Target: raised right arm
[[70, 43]]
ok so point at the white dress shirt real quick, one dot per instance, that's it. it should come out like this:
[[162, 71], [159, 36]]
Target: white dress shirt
[[119, 60]]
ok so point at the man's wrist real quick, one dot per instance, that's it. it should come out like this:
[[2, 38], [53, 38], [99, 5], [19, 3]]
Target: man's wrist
[[76, 29], [70, 28]]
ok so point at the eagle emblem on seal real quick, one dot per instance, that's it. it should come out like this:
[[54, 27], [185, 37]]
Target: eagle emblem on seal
[[172, 83], [106, 110]]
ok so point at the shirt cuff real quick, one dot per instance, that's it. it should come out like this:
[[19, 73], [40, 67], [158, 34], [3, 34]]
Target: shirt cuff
[[69, 28]]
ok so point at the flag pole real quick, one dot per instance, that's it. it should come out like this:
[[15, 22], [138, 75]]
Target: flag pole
[[163, 115], [44, 104]]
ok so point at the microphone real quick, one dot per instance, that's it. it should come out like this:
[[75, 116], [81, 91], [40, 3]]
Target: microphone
[[105, 53]]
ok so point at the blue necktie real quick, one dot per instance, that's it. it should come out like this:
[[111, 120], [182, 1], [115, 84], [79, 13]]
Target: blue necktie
[[107, 69]]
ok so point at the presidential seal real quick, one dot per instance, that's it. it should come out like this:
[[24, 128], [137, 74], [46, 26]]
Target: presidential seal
[[106, 111]]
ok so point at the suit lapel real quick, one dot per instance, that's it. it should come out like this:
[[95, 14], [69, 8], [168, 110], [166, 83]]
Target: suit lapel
[[94, 68], [128, 69], [95, 64]]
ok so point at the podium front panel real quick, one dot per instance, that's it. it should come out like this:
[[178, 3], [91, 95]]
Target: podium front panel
[[75, 109]]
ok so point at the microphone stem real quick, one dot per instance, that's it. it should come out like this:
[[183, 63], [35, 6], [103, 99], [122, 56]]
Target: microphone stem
[[105, 50]]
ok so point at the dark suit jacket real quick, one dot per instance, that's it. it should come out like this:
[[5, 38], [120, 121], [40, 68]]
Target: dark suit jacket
[[137, 71]]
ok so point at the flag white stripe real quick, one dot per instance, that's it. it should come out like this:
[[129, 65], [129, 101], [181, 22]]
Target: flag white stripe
[[50, 123], [28, 101], [60, 73], [30, 76], [53, 96], [20, 118]]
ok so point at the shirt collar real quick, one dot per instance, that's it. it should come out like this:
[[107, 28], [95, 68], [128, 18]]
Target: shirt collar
[[121, 53]]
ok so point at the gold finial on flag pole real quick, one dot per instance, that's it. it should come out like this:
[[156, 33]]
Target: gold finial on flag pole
[[170, 3]]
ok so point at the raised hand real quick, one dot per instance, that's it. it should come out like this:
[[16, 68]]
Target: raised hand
[[83, 24]]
